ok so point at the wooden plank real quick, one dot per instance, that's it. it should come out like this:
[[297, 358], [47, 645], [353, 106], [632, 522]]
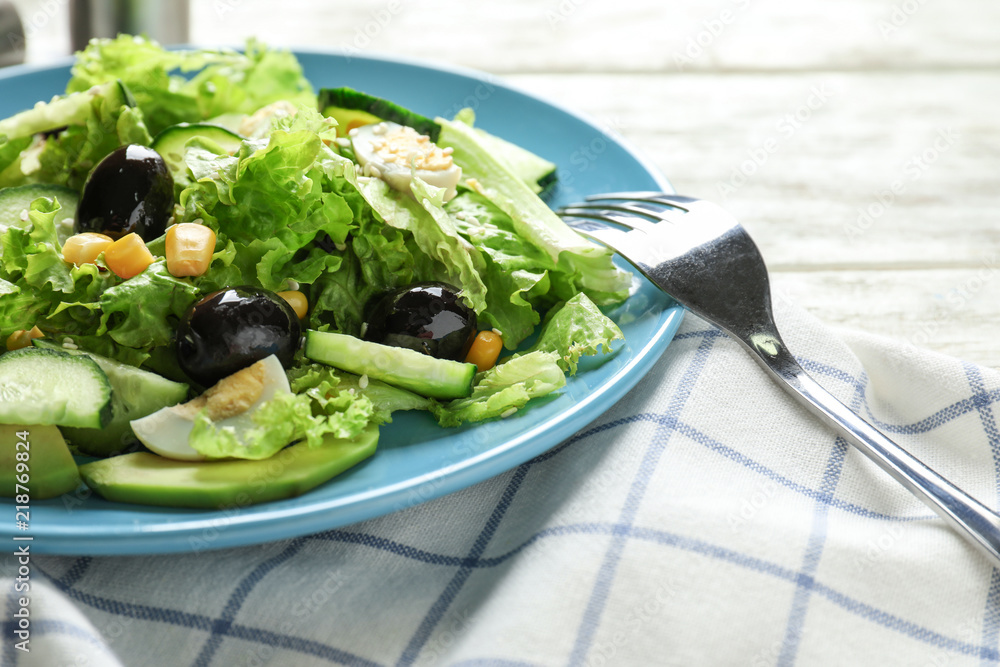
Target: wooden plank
[[636, 36], [952, 311], [825, 169]]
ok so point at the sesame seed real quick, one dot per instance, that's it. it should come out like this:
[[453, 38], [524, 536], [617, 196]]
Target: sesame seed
[[497, 331], [507, 413], [363, 382], [24, 215]]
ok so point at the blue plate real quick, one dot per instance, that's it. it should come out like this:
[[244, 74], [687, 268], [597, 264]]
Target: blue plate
[[417, 460]]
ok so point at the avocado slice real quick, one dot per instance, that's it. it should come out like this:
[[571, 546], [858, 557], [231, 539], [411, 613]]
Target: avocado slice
[[51, 469], [149, 479]]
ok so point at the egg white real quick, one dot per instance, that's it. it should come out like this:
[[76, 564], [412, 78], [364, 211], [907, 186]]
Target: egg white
[[396, 153], [166, 431]]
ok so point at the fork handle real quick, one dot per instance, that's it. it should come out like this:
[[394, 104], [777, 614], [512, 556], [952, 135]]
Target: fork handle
[[970, 518]]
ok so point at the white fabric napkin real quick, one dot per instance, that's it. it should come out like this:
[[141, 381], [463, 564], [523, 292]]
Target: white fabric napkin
[[706, 519]]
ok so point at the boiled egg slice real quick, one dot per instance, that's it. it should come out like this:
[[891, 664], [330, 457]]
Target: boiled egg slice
[[396, 153], [229, 404]]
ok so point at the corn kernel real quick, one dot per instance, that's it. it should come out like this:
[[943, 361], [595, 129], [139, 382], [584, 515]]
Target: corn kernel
[[84, 248], [22, 338], [189, 249], [128, 256]]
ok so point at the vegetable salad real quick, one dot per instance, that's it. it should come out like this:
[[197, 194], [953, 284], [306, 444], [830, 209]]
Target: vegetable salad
[[279, 195]]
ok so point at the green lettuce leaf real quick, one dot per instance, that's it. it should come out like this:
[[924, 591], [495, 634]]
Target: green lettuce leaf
[[504, 389], [90, 124], [338, 298], [224, 82], [33, 251], [385, 398], [318, 406], [583, 266], [277, 423], [10, 159], [576, 328], [143, 311], [516, 273], [39, 287], [459, 262]]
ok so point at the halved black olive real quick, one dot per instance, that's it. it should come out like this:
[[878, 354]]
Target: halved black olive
[[233, 328], [130, 190], [427, 317]]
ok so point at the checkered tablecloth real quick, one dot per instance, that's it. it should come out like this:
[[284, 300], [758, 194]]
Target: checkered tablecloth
[[705, 519]]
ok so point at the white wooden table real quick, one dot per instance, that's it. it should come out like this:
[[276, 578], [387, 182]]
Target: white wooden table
[[858, 141]]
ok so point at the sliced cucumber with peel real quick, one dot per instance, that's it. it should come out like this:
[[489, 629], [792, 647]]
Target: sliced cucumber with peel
[[135, 393], [39, 386], [347, 106], [420, 373], [173, 141]]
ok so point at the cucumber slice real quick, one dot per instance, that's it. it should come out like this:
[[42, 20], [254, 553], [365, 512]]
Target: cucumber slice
[[149, 479], [347, 106], [72, 109], [420, 373], [39, 386], [135, 393], [172, 142], [15, 201]]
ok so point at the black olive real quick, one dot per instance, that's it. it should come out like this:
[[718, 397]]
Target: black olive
[[427, 317], [130, 190], [233, 328]]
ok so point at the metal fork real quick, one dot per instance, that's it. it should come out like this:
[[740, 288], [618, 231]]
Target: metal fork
[[701, 256]]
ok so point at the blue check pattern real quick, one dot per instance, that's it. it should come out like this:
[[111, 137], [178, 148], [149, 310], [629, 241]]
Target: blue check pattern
[[683, 527]]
